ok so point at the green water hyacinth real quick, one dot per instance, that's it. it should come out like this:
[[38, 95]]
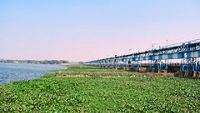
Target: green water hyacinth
[[52, 93]]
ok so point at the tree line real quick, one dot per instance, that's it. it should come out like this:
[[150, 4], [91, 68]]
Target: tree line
[[35, 61]]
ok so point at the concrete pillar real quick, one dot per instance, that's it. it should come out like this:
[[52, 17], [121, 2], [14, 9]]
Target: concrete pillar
[[198, 75], [165, 72], [159, 71], [143, 69], [181, 73], [195, 74], [137, 69], [148, 69], [130, 68], [186, 74], [153, 70]]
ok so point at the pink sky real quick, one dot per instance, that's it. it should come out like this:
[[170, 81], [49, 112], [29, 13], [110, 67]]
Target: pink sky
[[83, 31]]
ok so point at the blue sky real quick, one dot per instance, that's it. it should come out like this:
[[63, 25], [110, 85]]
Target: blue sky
[[81, 30]]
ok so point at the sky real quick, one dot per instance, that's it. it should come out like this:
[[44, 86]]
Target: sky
[[84, 30]]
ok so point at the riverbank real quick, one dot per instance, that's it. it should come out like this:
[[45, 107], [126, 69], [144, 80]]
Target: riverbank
[[92, 89]]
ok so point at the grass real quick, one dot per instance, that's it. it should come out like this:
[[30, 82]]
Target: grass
[[51, 93]]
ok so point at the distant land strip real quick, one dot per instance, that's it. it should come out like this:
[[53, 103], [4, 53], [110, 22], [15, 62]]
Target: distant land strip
[[35, 61]]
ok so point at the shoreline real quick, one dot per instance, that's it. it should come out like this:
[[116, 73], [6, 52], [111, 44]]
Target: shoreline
[[16, 72]]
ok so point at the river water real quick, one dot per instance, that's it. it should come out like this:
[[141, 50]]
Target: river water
[[14, 72]]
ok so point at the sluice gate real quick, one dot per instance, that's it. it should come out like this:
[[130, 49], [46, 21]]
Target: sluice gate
[[181, 57]]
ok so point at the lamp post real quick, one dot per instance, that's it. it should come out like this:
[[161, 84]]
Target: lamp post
[[166, 42], [153, 45]]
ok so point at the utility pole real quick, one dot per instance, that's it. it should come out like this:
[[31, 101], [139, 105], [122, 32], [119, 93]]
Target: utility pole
[[166, 42], [129, 50]]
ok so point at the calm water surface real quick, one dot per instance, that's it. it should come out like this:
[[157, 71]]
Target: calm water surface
[[14, 72]]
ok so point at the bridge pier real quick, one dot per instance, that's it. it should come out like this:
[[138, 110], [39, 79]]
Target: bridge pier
[[159, 71], [198, 75], [195, 74], [137, 69], [188, 74], [179, 72], [143, 69], [163, 72], [154, 70]]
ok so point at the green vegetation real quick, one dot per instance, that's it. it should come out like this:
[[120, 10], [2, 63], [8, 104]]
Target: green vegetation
[[52, 93]]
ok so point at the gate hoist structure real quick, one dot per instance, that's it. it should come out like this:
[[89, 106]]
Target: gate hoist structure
[[180, 56]]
